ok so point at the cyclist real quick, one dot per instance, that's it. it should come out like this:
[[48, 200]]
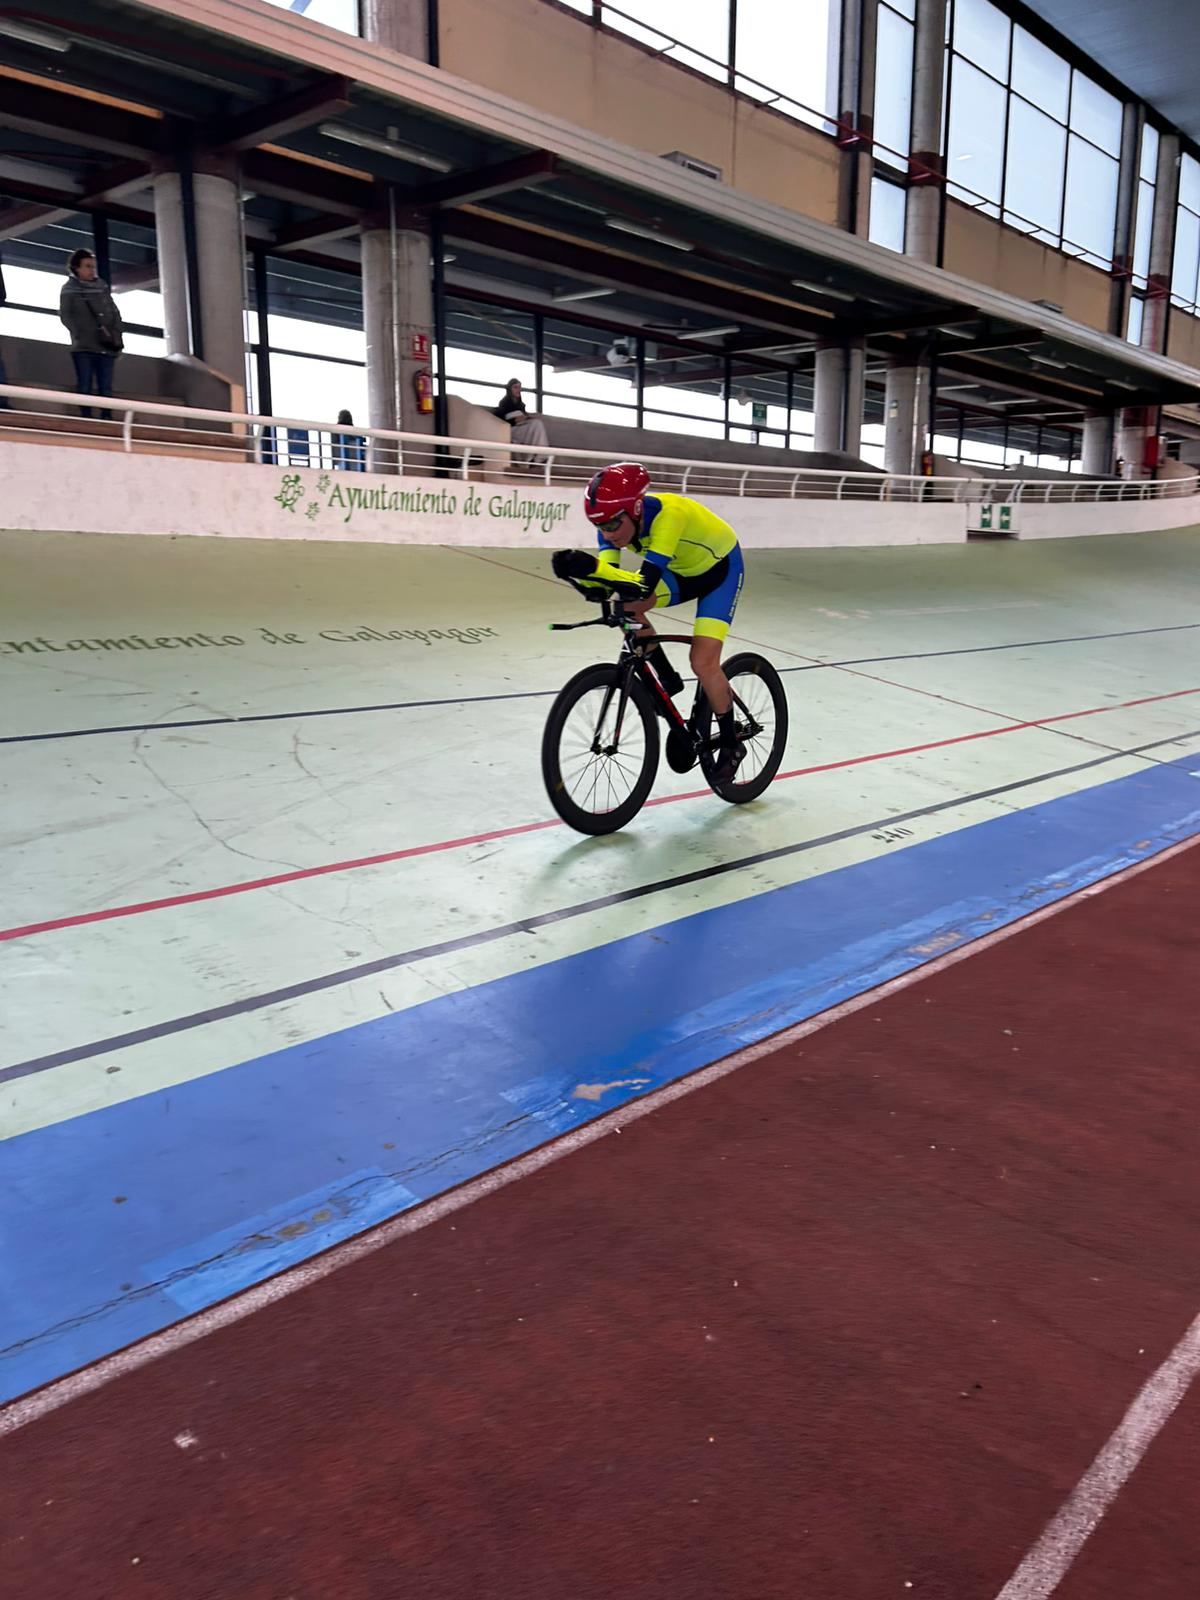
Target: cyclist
[[688, 553]]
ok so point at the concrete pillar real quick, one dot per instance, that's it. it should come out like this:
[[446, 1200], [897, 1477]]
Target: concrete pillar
[[1098, 444], [220, 270], [1138, 424], [838, 393], [397, 309], [1162, 246], [923, 226], [172, 263], [856, 116], [222, 263], [401, 25], [906, 409], [397, 276], [907, 403], [1132, 123]]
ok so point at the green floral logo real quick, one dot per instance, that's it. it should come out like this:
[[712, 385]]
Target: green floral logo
[[290, 491]]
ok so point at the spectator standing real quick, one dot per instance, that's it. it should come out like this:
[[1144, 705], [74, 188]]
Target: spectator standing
[[89, 314], [348, 448]]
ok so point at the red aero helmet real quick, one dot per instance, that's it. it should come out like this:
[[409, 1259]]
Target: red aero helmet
[[615, 489]]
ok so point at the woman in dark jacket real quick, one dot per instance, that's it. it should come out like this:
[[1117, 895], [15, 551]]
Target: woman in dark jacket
[[89, 314], [526, 429]]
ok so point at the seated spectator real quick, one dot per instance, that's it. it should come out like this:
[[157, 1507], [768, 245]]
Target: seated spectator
[[89, 314], [527, 428], [349, 449]]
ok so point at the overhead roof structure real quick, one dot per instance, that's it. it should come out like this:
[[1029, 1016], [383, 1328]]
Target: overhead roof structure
[[1152, 47], [330, 131]]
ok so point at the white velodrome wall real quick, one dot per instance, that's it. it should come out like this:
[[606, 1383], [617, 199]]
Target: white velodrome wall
[[65, 489]]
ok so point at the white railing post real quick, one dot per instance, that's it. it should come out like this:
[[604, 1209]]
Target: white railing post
[[127, 431], [742, 484], [687, 472], [547, 472], [792, 490], [841, 488]]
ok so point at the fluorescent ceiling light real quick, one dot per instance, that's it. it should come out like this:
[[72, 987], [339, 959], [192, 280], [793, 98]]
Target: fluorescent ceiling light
[[1045, 361], [640, 232], [579, 205], [956, 333], [710, 333], [40, 37], [384, 147], [821, 288], [562, 296], [1119, 383]]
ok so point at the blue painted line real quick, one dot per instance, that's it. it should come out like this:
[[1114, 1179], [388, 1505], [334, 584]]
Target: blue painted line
[[117, 1221]]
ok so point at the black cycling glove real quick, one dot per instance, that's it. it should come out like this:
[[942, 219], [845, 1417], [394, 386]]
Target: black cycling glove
[[573, 564]]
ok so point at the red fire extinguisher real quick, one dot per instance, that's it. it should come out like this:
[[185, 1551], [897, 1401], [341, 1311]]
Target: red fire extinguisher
[[423, 389]]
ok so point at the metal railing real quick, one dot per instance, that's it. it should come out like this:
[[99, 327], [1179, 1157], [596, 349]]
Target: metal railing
[[294, 443]]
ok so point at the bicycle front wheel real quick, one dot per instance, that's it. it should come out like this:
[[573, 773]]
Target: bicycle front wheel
[[596, 773], [760, 721]]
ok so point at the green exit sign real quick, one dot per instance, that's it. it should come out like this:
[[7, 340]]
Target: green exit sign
[[760, 413]]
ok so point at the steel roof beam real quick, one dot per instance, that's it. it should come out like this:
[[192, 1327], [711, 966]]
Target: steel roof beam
[[328, 97]]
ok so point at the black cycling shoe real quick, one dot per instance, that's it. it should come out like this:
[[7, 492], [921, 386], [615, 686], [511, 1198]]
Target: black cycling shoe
[[729, 759]]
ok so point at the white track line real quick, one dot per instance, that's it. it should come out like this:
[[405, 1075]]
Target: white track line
[[19, 1413], [1048, 1563]]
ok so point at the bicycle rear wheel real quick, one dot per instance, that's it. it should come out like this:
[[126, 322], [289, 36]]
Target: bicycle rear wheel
[[597, 778], [760, 722]]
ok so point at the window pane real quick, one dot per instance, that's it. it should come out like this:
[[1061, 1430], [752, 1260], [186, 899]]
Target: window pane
[[341, 14], [893, 87], [1091, 215], [1096, 114], [301, 387], [1137, 315], [1189, 183], [793, 50], [1040, 75], [1033, 190], [619, 415], [489, 344], [1187, 257], [907, 8], [1149, 163], [981, 32], [976, 141], [662, 422], [30, 287], [1143, 230], [888, 204], [702, 24]]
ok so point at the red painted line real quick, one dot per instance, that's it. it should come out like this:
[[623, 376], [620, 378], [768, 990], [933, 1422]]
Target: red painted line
[[300, 874], [296, 876]]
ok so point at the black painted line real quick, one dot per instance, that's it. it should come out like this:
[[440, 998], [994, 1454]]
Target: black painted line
[[984, 649], [545, 694], [544, 919]]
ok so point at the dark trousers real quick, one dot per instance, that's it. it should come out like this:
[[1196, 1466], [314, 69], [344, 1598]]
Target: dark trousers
[[93, 375], [3, 379]]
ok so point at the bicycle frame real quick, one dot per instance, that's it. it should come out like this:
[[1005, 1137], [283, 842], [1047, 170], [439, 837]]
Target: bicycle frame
[[632, 659]]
